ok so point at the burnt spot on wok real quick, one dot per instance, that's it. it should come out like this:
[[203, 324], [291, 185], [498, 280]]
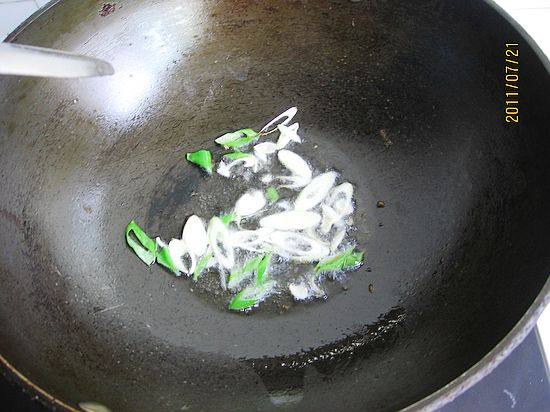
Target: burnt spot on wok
[[107, 9]]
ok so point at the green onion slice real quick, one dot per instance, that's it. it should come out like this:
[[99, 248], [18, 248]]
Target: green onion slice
[[237, 139], [237, 276], [261, 272], [251, 295], [272, 194], [237, 155], [145, 247], [345, 260], [203, 261], [228, 218], [202, 158], [163, 258]]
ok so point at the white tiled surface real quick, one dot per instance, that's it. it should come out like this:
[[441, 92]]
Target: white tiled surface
[[13, 12], [544, 331], [533, 15]]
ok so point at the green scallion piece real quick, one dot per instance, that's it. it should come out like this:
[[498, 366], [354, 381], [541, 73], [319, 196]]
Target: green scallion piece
[[228, 218], [251, 295], [202, 158], [272, 194], [203, 261], [345, 260], [238, 275], [240, 303], [237, 139], [236, 155], [261, 271], [144, 247], [163, 258]]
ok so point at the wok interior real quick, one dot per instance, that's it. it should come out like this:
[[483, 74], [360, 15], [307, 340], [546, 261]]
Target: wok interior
[[455, 258]]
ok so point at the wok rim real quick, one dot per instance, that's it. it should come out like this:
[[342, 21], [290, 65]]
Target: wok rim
[[432, 402]]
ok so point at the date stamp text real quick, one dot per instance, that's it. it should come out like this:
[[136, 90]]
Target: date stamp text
[[511, 88]]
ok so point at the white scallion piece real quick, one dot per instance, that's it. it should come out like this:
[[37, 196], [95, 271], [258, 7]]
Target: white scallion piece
[[294, 245], [337, 239], [315, 191], [291, 220], [263, 150], [223, 279], [223, 169], [341, 199], [267, 178], [307, 288], [317, 291], [330, 218], [295, 163], [299, 291], [220, 242], [250, 203], [249, 162], [301, 172], [284, 204], [287, 115], [293, 182], [312, 233], [183, 259], [252, 240], [288, 134], [258, 292], [194, 235]]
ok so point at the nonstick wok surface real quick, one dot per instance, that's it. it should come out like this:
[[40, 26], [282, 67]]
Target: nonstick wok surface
[[405, 98]]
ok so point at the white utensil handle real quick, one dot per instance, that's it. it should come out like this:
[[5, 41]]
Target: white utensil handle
[[16, 59]]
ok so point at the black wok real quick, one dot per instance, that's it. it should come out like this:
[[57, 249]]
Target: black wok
[[405, 98]]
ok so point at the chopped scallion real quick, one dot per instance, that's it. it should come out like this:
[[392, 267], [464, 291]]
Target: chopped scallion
[[238, 138], [202, 158], [251, 295], [203, 261], [261, 272], [145, 247], [345, 260], [228, 218], [238, 275], [272, 194], [163, 258], [237, 155]]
